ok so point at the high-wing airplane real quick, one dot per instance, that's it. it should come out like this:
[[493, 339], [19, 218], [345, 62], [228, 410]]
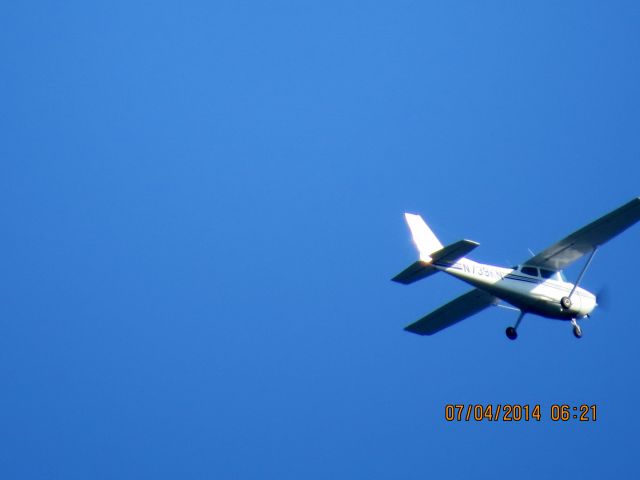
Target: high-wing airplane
[[536, 286]]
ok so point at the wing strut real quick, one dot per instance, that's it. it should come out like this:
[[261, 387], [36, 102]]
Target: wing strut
[[567, 303]]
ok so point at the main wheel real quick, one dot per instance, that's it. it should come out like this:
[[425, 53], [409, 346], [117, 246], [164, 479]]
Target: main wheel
[[565, 302], [511, 333], [577, 332]]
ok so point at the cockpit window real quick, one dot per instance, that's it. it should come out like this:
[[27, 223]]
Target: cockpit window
[[548, 274], [533, 271]]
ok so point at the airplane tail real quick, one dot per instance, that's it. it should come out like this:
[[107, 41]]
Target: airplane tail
[[423, 237], [431, 251]]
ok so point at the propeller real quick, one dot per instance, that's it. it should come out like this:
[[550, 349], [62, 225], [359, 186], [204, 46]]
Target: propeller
[[603, 297]]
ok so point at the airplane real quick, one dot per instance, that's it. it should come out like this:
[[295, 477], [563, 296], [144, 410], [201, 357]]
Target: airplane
[[537, 286]]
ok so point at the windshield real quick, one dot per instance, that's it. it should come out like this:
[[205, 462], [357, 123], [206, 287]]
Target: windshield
[[550, 274]]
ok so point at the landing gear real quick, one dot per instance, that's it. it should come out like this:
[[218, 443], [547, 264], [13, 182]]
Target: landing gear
[[565, 303], [512, 332], [577, 331]]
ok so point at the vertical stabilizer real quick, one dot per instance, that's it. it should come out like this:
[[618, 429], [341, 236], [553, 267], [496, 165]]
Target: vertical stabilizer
[[423, 237]]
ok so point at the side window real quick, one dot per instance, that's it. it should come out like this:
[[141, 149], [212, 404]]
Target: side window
[[548, 274], [533, 271]]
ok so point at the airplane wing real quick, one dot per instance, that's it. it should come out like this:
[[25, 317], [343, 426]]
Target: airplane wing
[[462, 307], [569, 249]]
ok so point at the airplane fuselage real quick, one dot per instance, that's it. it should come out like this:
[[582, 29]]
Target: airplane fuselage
[[528, 293]]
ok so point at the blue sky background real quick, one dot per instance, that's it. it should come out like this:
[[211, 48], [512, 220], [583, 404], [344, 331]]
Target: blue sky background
[[202, 208]]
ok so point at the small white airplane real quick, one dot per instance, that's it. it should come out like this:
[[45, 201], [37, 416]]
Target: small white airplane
[[536, 286]]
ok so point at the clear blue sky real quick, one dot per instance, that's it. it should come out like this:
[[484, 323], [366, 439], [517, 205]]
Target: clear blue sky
[[202, 208]]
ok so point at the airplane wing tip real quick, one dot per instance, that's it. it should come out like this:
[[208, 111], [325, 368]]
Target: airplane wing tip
[[414, 330]]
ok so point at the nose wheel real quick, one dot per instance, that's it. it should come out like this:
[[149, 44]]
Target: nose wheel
[[577, 331], [565, 303]]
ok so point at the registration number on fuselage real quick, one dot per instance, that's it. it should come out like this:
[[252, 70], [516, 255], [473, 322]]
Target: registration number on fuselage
[[481, 270]]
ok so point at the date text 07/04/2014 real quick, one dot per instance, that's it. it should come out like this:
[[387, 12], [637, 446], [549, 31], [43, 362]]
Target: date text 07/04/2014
[[518, 412]]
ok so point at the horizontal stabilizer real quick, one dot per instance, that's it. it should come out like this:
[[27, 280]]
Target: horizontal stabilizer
[[416, 271], [462, 307], [453, 252], [423, 268]]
